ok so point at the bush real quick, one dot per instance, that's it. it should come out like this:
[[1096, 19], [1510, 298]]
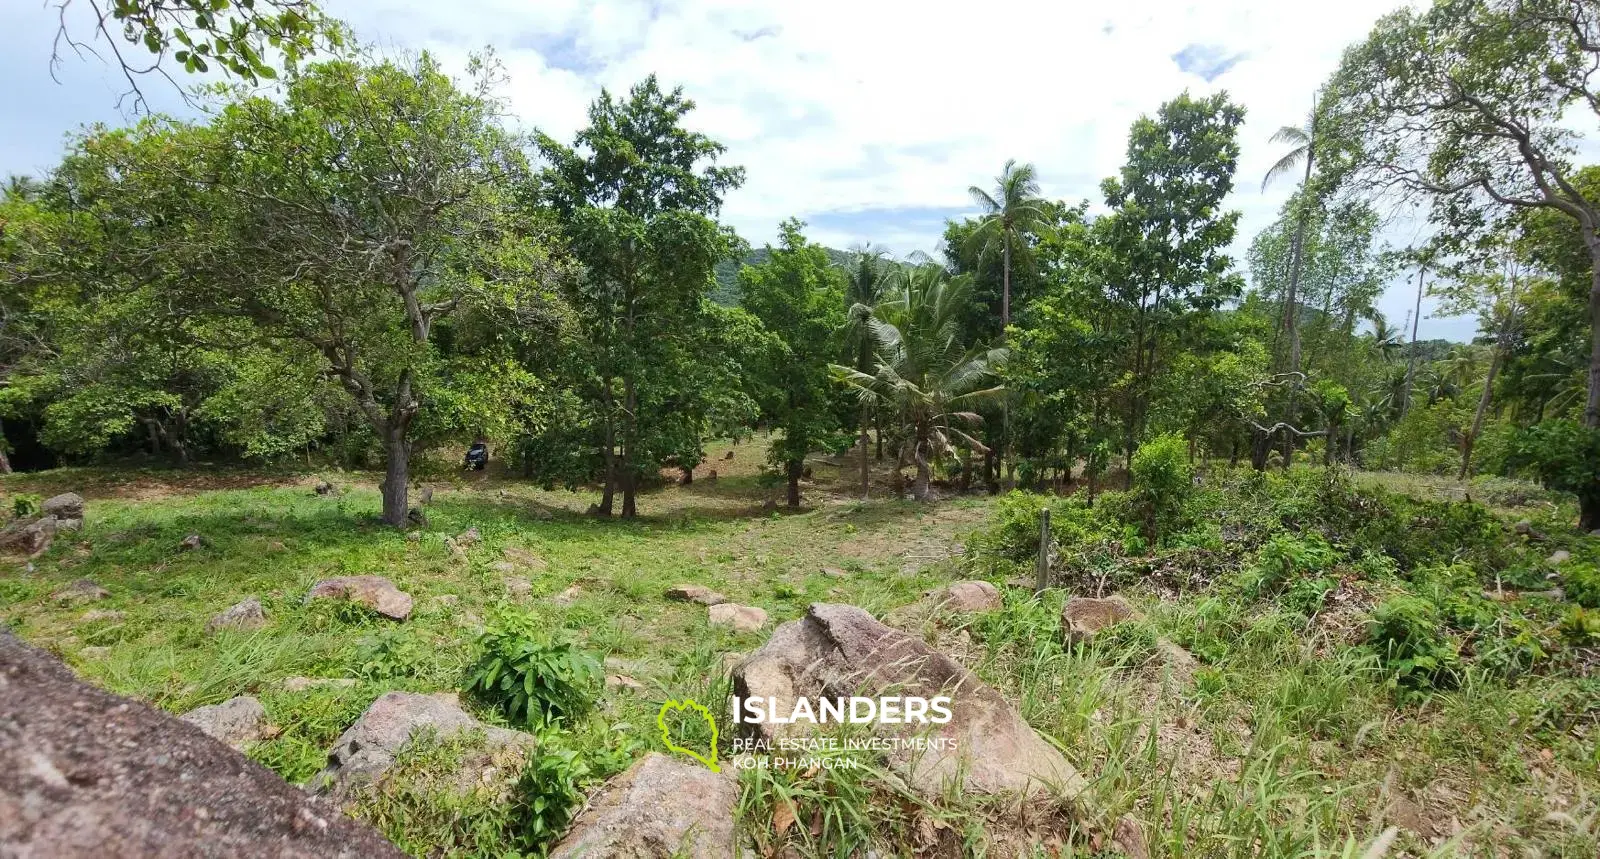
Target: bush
[[1582, 583], [529, 677], [24, 506], [548, 792], [1410, 642], [1162, 484], [1286, 558]]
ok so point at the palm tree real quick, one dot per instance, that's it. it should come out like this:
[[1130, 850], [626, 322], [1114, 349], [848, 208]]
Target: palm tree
[[927, 379], [1303, 151], [1012, 212], [866, 279], [1385, 340]]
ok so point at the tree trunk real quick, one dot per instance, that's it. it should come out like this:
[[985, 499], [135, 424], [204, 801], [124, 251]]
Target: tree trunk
[[1591, 409], [1005, 288], [1411, 361], [793, 468], [688, 475], [1501, 342], [630, 493], [5, 460], [878, 431], [866, 471], [919, 489], [396, 473]]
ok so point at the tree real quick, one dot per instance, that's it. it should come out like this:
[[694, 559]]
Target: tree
[[637, 194], [796, 296], [240, 36], [927, 379], [1464, 106], [866, 279], [1010, 214], [1303, 151]]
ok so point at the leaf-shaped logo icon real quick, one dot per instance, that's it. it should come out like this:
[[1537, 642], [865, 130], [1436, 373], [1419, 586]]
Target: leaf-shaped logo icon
[[688, 705]]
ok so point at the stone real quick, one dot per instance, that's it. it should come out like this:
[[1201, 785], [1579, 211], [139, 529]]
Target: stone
[[368, 748], [30, 536], [96, 615], [660, 807], [245, 614], [523, 558], [469, 537], [1129, 838], [518, 587], [1523, 527], [416, 518], [695, 593], [728, 455], [1083, 617], [97, 652], [67, 505], [414, 537], [191, 542], [446, 601], [840, 651], [711, 477], [86, 774], [968, 596], [82, 590], [503, 567], [239, 722], [1558, 557], [323, 487], [374, 592], [623, 682], [302, 684], [69, 526], [568, 596], [769, 506], [835, 573], [743, 618], [1408, 815]]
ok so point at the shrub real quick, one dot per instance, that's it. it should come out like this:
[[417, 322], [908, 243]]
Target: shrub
[[1162, 484], [1287, 557], [1582, 583], [530, 677], [548, 792], [1409, 640], [1581, 628], [24, 506], [391, 653]]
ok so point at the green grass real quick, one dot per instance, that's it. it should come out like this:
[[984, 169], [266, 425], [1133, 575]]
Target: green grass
[[1287, 738]]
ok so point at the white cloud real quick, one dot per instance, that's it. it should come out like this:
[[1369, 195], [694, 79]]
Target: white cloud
[[849, 113]]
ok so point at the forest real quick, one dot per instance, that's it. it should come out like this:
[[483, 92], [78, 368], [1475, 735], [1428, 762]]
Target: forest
[[1359, 542]]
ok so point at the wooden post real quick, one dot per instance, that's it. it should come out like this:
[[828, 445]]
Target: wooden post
[[1042, 574]]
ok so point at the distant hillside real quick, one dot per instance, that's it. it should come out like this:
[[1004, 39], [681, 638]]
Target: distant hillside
[[726, 292]]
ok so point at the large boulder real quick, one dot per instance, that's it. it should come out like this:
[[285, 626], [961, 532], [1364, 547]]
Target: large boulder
[[368, 748], [659, 808], [67, 505], [85, 773], [374, 592], [1084, 617], [29, 536], [239, 722], [840, 651]]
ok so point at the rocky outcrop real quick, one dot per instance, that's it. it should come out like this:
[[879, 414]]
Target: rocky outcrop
[[374, 592], [743, 618], [245, 614], [239, 722], [67, 505], [1084, 617], [659, 808], [85, 773], [695, 593], [368, 748], [840, 651]]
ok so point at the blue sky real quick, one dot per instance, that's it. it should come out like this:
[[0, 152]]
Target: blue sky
[[867, 120]]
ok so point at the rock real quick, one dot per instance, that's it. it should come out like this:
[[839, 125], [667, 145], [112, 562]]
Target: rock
[[446, 601], [67, 505], [1083, 617], [1129, 838], [94, 653], [469, 537], [523, 558], [518, 587], [368, 748], [661, 807], [568, 596], [30, 536], [835, 573], [728, 456], [416, 518], [374, 592], [301, 684], [239, 722], [695, 593], [1408, 815], [504, 567], [623, 682], [1595, 533], [731, 659], [1180, 661], [840, 651], [81, 590], [191, 542], [968, 596], [425, 497], [85, 774], [1523, 527], [1558, 557], [323, 487], [414, 537], [769, 506], [72, 526], [743, 618], [711, 477], [98, 614], [245, 614]]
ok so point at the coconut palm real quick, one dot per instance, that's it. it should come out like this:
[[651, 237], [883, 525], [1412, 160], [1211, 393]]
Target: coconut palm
[[867, 277], [1010, 214], [1303, 152], [1385, 340], [923, 375]]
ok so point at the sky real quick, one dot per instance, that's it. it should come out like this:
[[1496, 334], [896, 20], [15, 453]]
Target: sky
[[868, 120]]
